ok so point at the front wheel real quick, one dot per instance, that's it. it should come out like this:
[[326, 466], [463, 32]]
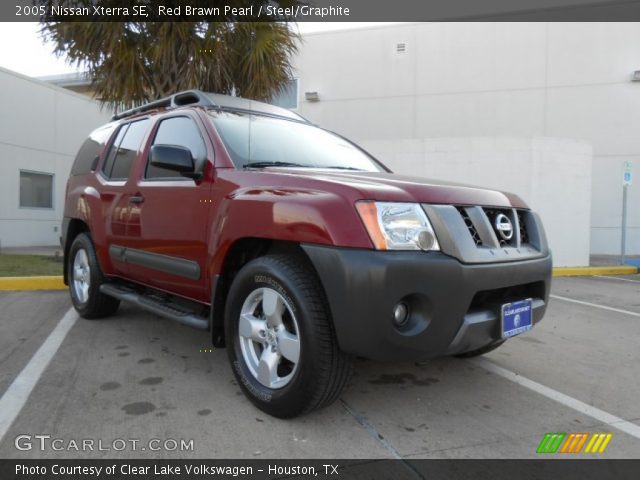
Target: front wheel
[[280, 338], [84, 278]]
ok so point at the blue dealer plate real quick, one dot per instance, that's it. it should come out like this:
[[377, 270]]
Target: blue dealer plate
[[516, 318]]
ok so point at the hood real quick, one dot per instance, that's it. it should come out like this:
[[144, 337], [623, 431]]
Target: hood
[[390, 187]]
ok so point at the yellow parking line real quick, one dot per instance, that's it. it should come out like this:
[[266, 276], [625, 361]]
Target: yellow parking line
[[589, 271], [31, 283]]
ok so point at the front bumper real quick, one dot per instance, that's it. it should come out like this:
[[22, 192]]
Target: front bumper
[[454, 307]]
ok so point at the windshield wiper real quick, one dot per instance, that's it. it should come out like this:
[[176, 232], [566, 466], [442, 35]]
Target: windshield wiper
[[272, 164]]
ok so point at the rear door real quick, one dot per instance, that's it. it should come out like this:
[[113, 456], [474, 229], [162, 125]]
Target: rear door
[[114, 177], [168, 219]]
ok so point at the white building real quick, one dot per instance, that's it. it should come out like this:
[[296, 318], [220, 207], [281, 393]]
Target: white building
[[547, 110], [41, 129]]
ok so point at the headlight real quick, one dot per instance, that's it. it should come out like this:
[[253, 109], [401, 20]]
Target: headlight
[[397, 226]]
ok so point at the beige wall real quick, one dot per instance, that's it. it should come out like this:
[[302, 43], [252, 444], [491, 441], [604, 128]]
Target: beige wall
[[513, 164], [467, 80], [41, 129]]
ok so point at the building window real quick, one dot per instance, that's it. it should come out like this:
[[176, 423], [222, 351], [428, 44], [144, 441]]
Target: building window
[[288, 97], [36, 190]]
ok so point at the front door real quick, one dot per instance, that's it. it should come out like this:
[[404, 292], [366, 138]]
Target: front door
[[168, 220]]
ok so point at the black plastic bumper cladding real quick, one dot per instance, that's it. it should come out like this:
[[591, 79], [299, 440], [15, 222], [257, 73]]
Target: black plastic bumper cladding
[[64, 232], [454, 307]]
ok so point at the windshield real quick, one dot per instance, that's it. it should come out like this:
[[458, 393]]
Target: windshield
[[256, 141]]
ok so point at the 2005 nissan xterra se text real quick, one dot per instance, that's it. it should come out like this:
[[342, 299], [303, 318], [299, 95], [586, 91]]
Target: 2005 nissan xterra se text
[[292, 246]]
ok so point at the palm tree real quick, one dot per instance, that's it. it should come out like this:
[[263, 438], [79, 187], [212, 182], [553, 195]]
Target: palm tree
[[131, 63]]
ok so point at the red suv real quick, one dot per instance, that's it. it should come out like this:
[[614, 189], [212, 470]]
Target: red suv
[[292, 246]]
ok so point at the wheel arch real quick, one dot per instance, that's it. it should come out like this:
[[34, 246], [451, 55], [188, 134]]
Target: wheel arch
[[75, 227], [241, 252]]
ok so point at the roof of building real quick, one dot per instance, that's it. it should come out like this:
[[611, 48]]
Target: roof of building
[[65, 80]]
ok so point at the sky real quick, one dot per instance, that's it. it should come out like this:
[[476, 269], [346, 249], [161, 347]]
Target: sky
[[24, 51]]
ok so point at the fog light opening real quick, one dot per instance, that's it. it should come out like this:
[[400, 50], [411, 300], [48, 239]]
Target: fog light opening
[[400, 314]]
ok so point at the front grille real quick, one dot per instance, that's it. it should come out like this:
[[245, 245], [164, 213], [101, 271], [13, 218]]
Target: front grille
[[469, 233], [524, 235], [472, 229], [492, 227]]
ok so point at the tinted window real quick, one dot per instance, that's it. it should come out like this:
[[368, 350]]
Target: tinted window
[[263, 140], [181, 131], [129, 149], [36, 190], [90, 150], [108, 163]]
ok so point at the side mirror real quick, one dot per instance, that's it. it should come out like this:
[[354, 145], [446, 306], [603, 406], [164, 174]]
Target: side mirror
[[173, 157]]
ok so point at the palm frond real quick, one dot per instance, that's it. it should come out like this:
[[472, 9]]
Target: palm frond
[[132, 63]]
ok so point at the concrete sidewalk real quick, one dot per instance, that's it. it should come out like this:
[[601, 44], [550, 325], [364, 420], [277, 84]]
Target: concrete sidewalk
[[608, 260], [49, 250]]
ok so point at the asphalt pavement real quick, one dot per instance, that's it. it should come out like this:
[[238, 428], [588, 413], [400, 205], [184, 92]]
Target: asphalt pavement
[[139, 386]]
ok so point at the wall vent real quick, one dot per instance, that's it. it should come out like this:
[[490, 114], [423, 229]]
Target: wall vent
[[401, 47]]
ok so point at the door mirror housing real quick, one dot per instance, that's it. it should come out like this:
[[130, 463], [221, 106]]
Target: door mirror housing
[[174, 157]]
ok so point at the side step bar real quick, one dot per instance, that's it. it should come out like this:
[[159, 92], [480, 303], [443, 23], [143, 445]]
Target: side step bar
[[153, 305]]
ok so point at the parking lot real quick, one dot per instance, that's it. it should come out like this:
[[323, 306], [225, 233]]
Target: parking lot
[[136, 376]]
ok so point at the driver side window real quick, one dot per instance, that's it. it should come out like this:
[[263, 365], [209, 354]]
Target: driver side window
[[180, 131]]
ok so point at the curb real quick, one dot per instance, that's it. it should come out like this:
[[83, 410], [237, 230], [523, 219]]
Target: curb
[[9, 284], [589, 271]]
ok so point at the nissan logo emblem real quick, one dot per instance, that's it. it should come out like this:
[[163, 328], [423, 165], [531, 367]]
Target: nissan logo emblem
[[504, 227]]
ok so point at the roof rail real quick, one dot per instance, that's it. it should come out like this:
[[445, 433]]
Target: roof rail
[[223, 102], [188, 97]]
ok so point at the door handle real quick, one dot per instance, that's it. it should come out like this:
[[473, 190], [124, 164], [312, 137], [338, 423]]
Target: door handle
[[136, 199]]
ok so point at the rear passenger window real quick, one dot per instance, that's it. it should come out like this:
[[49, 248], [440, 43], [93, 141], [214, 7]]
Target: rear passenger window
[[181, 131], [87, 157], [108, 163], [125, 150]]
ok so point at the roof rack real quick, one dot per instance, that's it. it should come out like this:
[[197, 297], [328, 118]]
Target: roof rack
[[188, 97], [223, 102]]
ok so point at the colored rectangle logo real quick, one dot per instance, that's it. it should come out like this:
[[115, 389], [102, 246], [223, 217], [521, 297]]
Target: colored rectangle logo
[[550, 442], [574, 443]]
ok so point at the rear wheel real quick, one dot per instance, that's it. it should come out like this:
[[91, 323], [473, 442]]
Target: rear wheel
[[280, 338], [84, 278]]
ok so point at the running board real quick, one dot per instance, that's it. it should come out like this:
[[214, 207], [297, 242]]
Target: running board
[[154, 305]]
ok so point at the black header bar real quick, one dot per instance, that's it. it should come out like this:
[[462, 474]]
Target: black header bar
[[319, 10], [574, 469]]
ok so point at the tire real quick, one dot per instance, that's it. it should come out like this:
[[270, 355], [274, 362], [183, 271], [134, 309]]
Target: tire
[[280, 338], [84, 277], [480, 351]]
